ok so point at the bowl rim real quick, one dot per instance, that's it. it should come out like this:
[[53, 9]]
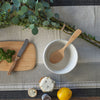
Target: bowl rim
[[59, 70]]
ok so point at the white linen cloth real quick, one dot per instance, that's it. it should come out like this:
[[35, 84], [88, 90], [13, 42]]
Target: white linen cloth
[[87, 72]]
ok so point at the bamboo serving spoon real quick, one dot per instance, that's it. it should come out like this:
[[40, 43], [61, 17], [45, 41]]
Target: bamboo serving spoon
[[58, 55]]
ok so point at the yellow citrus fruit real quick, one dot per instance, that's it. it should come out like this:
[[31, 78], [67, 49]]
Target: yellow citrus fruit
[[64, 93]]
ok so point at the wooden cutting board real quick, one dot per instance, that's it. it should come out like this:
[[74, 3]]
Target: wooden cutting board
[[27, 60]]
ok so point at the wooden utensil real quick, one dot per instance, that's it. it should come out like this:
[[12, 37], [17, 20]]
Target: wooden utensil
[[27, 61], [21, 51], [58, 55]]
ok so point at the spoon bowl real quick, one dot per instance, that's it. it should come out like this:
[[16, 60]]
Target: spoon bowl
[[58, 55]]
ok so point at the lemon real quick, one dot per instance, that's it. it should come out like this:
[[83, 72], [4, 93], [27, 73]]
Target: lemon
[[64, 93]]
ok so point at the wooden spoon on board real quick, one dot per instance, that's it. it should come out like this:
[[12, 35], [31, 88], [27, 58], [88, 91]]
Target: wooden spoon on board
[[58, 55]]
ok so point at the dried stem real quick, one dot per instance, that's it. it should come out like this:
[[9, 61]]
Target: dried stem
[[69, 30]]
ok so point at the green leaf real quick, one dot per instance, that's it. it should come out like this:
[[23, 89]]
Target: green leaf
[[94, 38], [24, 9], [31, 3], [20, 12], [37, 1], [16, 3], [31, 26], [15, 20], [57, 15], [25, 26], [49, 13], [36, 12], [29, 13], [45, 4], [35, 30], [0, 4], [6, 6], [24, 1], [22, 16], [20, 1], [45, 23], [55, 24], [51, 1], [32, 19], [39, 6]]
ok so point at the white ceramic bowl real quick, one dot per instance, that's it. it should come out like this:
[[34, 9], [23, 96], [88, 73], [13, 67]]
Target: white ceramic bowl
[[67, 63]]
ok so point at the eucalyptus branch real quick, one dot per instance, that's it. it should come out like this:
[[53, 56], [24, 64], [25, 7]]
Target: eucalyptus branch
[[69, 30], [32, 14]]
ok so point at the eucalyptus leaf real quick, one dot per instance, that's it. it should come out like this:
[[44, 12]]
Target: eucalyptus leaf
[[31, 26], [45, 4], [26, 26], [94, 38], [45, 23], [31, 3], [49, 13], [39, 6], [36, 12], [0, 4], [24, 1], [32, 19], [51, 1], [20, 12], [6, 6], [57, 15], [35, 30], [13, 8], [29, 13], [22, 16], [21, 1], [55, 24], [15, 20], [37, 1], [16, 3], [24, 9], [33, 14]]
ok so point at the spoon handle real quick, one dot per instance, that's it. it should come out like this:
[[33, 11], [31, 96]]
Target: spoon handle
[[73, 37]]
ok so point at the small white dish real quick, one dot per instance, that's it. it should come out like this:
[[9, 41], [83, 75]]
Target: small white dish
[[67, 63]]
